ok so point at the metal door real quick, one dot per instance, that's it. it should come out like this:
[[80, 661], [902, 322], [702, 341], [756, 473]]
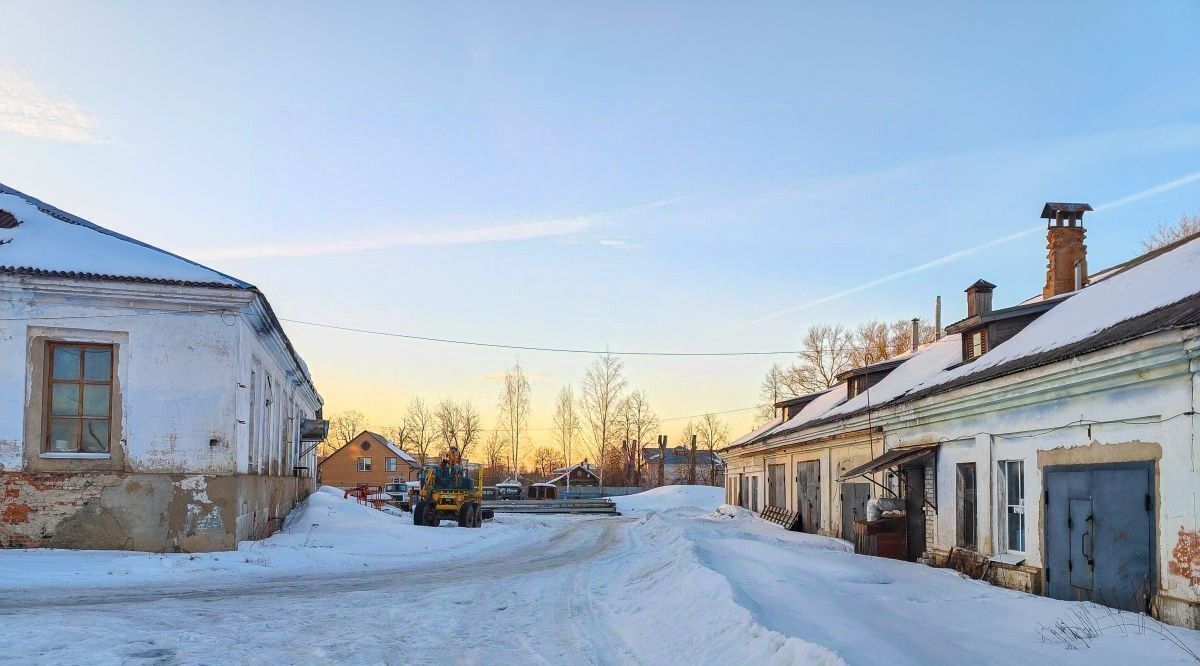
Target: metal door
[[1099, 534], [1079, 524], [854, 506], [808, 495]]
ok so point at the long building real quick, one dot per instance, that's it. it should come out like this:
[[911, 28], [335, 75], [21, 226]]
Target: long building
[[1049, 446]]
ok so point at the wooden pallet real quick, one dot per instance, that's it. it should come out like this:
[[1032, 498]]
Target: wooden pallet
[[790, 520]]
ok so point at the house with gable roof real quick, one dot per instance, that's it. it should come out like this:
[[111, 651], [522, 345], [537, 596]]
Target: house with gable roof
[[147, 402], [370, 459]]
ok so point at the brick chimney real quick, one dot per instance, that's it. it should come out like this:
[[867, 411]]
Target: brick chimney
[[1066, 267], [979, 298]]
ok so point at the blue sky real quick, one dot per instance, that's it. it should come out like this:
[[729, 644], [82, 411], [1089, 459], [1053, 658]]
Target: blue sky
[[622, 175]]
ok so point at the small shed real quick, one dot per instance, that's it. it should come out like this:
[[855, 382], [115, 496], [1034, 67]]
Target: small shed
[[543, 491]]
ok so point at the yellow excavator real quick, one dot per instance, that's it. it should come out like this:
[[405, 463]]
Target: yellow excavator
[[448, 493]]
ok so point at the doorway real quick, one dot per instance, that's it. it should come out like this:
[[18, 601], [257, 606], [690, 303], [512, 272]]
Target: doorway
[[808, 495], [854, 506]]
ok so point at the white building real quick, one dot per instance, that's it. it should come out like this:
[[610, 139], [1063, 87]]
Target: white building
[[1051, 445], [146, 402]]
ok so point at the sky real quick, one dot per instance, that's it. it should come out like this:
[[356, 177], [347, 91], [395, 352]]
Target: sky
[[623, 176]]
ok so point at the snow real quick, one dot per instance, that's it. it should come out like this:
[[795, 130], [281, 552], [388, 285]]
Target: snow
[[817, 408], [48, 243], [927, 362], [1161, 281], [757, 432], [327, 533], [400, 453], [666, 498], [688, 581]]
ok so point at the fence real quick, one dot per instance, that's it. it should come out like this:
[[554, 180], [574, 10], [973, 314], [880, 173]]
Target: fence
[[592, 492]]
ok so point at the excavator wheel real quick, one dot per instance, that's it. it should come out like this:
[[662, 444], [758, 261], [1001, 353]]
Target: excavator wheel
[[464, 515], [419, 512]]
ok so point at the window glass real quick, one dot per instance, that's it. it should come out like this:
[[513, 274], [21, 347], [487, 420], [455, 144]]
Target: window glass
[[96, 400], [95, 436], [64, 433], [97, 365], [67, 362], [1014, 489], [966, 505], [64, 399]]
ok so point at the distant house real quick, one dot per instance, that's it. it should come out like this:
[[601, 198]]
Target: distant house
[[583, 474], [146, 402], [676, 463], [369, 458]]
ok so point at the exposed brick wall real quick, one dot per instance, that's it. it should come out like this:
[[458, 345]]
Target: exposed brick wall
[[34, 503]]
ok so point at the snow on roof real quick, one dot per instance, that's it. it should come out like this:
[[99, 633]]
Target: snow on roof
[[394, 449], [816, 409], [52, 241], [756, 433], [927, 362], [543, 484], [508, 484], [1158, 282], [585, 466]]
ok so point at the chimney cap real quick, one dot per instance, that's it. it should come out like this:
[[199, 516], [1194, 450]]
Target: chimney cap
[[1052, 210], [981, 285]]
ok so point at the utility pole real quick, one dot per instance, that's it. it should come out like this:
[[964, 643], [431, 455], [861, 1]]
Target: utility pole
[[692, 464], [662, 460]]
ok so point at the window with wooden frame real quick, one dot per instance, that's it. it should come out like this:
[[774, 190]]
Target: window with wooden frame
[[391, 464], [79, 398], [364, 464], [976, 344]]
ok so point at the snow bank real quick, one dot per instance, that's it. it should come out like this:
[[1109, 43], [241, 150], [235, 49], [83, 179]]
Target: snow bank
[[667, 498], [324, 534], [48, 243], [669, 608]]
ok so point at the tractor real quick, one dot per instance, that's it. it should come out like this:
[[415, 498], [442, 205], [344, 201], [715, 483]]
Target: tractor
[[448, 493]]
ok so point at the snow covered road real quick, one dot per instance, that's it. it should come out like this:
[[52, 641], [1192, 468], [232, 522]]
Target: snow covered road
[[668, 583]]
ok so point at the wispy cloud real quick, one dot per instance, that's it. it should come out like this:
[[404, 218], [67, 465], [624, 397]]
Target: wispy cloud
[[28, 109], [620, 243], [953, 256], [502, 233]]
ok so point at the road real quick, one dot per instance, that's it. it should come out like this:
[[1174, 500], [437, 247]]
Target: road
[[510, 605]]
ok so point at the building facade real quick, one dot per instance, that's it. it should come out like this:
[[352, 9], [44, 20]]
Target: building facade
[[146, 402], [1049, 447], [370, 459]]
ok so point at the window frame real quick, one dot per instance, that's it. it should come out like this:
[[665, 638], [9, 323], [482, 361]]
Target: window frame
[[1008, 508], [391, 464], [48, 383], [364, 463]]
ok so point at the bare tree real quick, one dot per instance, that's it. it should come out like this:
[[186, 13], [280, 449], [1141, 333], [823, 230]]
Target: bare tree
[[545, 460], [514, 411], [603, 390], [422, 428], [775, 388], [470, 427], [495, 448], [637, 421], [398, 434], [825, 354], [342, 428], [712, 433], [876, 341], [1166, 233], [566, 424]]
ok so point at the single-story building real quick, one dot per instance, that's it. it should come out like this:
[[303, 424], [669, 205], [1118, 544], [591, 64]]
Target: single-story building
[[147, 402]]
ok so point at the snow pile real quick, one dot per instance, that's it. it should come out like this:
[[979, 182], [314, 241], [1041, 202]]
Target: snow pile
[[669, 608], [44, 242], [325, 534], [1161, 281], [702, 499], [731, 512]]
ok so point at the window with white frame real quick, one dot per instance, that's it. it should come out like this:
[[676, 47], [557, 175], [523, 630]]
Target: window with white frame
[[364, 464], [1012, 503], [391, 464]]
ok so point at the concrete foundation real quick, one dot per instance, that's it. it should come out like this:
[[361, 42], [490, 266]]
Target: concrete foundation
[[142, 511]]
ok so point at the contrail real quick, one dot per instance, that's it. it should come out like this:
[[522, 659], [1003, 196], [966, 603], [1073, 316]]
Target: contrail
[[955, 256]]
